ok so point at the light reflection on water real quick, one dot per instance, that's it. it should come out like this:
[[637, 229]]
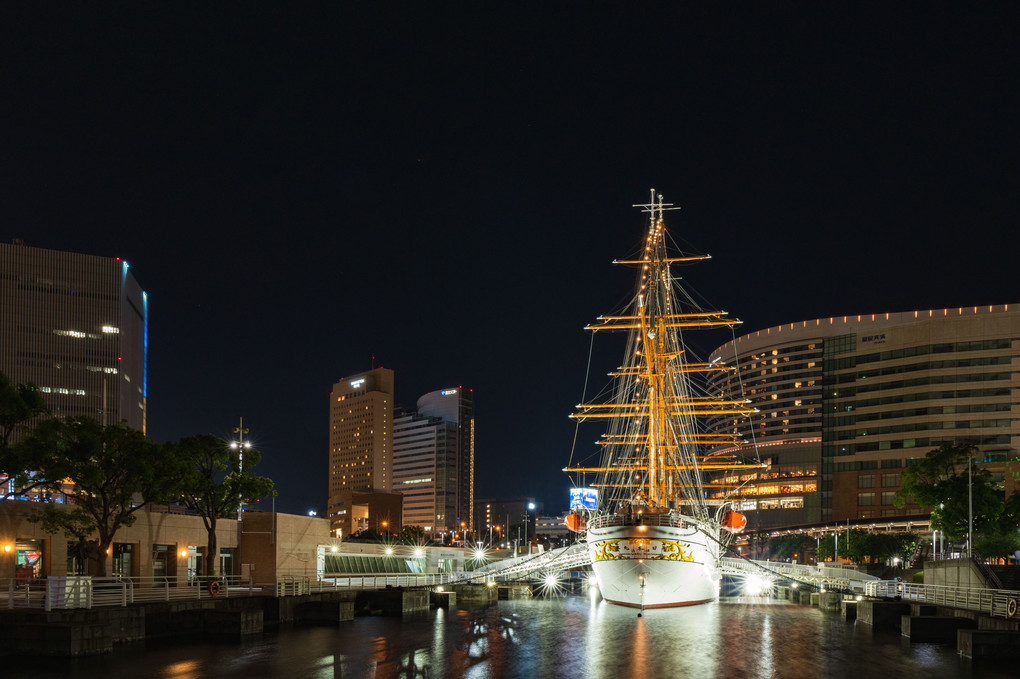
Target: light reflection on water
[[567, 637]]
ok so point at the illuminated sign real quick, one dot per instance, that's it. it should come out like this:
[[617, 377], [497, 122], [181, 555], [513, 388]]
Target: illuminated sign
[[877, 339], [357, 383], [448, 392], [584, 498]]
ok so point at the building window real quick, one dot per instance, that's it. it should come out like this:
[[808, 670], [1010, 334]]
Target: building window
[[890, 480], [888, 497], [866, 481], [865, 499]]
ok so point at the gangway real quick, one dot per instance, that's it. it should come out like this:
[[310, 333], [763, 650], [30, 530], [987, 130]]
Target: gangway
[[574, 557]]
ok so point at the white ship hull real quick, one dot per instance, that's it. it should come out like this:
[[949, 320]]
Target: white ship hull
[[653, 566]]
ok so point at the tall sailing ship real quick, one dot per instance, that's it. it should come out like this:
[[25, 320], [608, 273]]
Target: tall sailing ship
[[654, 537]]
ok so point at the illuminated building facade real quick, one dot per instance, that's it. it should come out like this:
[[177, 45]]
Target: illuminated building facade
[[75, 326], [457, 406], [845, 404], [425, 464], [360, 439]]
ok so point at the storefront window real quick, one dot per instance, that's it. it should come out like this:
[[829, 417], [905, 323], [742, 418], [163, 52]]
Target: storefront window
[[29, 559]]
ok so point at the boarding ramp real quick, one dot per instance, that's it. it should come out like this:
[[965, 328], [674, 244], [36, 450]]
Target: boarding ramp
[[833, 576], [533, 565]]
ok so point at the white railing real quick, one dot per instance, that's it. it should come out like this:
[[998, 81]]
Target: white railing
[[993, 602], [59, 592], [833, 575]]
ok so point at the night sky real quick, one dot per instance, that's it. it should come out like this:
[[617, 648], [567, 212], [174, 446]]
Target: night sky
[[444, 188]]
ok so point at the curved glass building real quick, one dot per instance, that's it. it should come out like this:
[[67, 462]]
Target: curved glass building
[[846, 403]]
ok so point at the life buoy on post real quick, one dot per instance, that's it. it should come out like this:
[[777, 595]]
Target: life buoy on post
[[214, 587], [1011, 608]]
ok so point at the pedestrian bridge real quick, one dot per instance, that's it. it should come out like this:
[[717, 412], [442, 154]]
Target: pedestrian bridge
[[576, 557]]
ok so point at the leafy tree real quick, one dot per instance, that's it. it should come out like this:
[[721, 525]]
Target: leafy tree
[[77, 526], [19, 405], [214, 483], [114, 472], [941, 481], [367, 535], [413, 535], [784, 546]]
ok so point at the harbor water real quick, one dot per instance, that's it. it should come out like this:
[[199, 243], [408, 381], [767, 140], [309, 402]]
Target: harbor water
[[545, 637]]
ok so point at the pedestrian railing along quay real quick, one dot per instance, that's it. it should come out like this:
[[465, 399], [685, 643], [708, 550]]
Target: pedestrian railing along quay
[[73, 591], [829, 575], [997, 603]]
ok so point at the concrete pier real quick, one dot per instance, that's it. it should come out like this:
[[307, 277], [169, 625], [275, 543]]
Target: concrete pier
[[445, 600], [476, 595], [848, 609], [936, 629], [830, 601], [974, 643], [508, 592], [882, 614], [394, 601]]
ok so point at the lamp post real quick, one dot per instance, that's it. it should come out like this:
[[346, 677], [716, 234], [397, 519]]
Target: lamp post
[[527, 525], [240, 445]]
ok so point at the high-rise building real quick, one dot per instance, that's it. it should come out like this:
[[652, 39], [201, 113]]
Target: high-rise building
[[360, 437], [457, 405], [845, 404], [425, 470], [75, 326]]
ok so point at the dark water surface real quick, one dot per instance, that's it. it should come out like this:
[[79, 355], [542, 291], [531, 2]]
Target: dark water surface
[[564, 637]]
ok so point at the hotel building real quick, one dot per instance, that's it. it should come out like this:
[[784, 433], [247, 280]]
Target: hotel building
[[75, 326], [360, 443], [845, 404]]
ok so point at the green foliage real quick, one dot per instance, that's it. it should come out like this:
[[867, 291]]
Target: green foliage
[[368, 535], [941, 481], [414, 535], [785, 546], [115, 471], [997, 544], [862, 547], [213, 482], [19, 405], [77, 526]]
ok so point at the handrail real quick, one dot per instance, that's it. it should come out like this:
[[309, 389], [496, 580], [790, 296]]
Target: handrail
[[993, 602]]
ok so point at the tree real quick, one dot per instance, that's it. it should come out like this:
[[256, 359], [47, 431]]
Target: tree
[[19, 405], [941, 481], [114, 472], [213, 483], [413, 535], [784, 546]]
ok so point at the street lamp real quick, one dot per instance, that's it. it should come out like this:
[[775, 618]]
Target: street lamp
[[240, 445], [527, 526]]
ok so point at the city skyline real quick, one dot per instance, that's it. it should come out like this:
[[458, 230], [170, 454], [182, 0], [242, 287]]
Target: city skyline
[[308, 194]]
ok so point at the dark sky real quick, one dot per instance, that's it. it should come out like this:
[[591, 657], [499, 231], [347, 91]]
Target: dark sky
[[444, 188]]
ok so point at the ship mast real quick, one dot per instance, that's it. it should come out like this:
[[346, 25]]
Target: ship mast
[[653, 435]]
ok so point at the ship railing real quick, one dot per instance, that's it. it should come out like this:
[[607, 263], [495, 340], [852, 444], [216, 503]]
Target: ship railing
[[997, 603], [606, 521]]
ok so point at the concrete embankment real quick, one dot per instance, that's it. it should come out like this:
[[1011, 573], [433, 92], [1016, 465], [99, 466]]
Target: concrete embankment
[[80, 632]]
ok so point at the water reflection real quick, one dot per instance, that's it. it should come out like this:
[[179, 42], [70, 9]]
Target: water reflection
[[568, 637]]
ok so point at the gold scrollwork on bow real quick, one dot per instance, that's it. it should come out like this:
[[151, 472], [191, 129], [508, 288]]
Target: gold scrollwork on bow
[[609, 550]]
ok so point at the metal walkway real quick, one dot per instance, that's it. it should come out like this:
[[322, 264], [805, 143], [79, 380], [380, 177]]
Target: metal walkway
[[576, 557]]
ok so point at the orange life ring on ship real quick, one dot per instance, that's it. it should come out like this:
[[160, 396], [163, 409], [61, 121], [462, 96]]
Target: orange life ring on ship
[[214, 587]]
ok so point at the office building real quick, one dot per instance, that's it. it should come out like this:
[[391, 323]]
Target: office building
[[75, 326], [360, 439], [845, 404], [425, 470], [457, 406]]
